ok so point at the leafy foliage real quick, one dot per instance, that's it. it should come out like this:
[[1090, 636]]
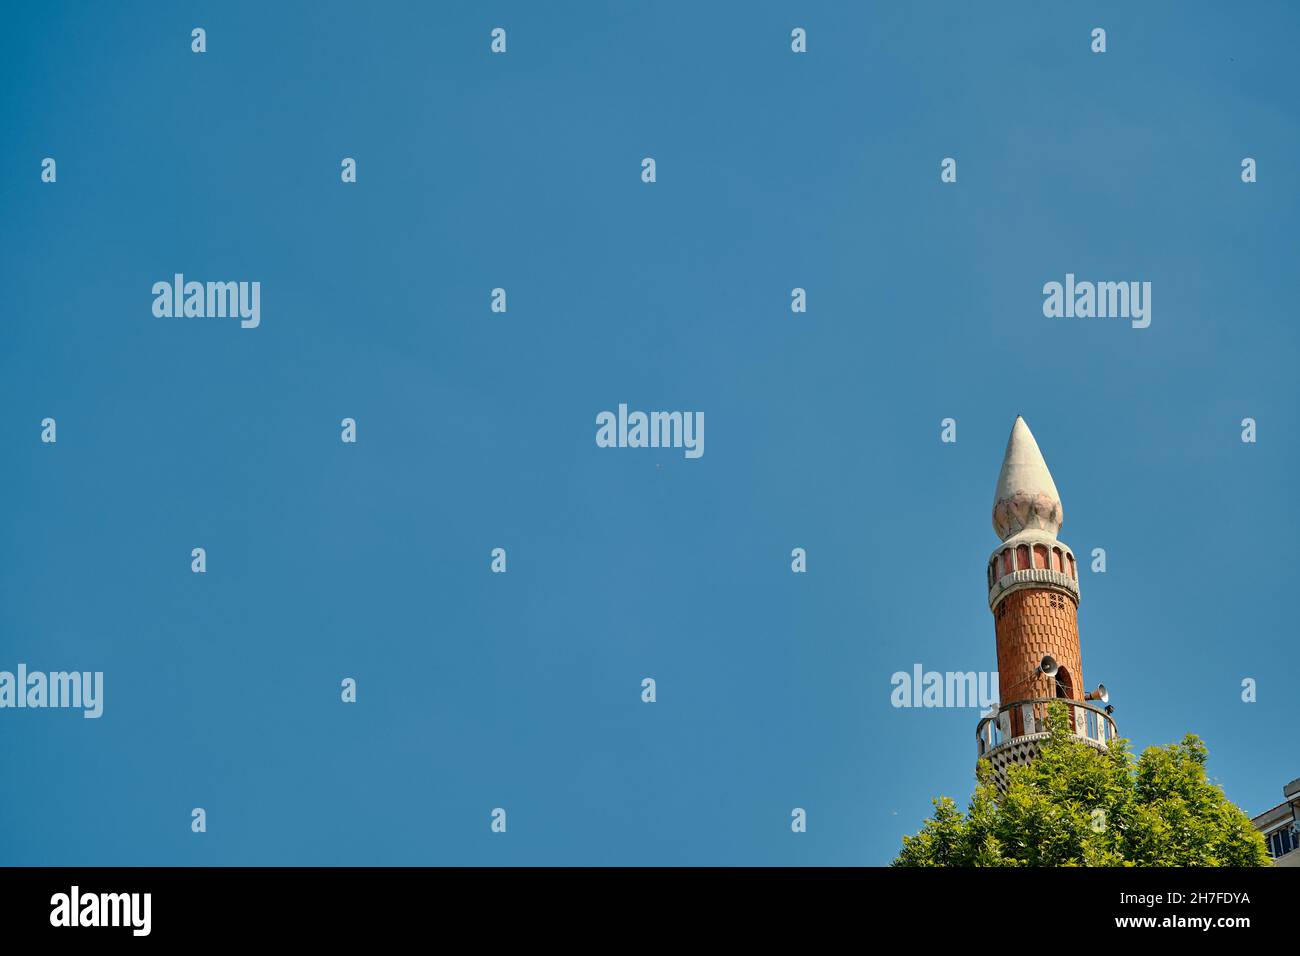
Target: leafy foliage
[[1158, 810]]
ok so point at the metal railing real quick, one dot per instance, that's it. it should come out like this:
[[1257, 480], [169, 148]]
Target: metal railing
[[1022, 718]]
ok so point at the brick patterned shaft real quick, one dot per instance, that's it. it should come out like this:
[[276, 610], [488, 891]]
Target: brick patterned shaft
[[1030, 623]]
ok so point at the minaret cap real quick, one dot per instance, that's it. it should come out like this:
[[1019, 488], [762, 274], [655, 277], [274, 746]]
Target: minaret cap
[[1026, 496]]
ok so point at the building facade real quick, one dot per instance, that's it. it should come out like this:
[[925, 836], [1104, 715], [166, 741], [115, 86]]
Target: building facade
[[1033, 582], [1281, 827]]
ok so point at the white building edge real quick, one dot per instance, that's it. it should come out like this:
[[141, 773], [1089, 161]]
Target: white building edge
[[1281, 827]]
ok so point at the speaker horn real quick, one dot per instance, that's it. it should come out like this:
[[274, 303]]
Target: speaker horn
[[1100, 694], [1048, 666]]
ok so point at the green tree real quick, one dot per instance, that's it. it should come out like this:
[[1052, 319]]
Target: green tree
[[1158, 810]]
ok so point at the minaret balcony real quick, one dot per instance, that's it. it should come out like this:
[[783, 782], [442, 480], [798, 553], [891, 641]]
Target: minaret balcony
[[1016, 732], [1033, 578]]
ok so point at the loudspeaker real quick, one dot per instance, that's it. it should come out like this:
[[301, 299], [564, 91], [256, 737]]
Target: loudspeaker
[[1098, 694]]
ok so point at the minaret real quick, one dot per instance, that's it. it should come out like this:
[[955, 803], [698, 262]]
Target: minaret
[[1033, 584]]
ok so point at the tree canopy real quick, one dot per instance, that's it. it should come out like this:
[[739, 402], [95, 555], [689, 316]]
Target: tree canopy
[[1074, 805]]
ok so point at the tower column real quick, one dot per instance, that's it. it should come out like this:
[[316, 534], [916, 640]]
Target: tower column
[[1033, 581]]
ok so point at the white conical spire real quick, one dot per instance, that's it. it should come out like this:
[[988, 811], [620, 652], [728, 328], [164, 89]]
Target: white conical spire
[[1026, 496]]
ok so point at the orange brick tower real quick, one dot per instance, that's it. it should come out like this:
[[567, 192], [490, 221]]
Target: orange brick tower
[[1034, 595]]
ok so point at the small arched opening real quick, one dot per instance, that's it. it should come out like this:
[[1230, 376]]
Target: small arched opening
[[1065, 690]]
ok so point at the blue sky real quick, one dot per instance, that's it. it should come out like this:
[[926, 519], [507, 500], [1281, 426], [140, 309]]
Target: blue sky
[[476, 430]]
